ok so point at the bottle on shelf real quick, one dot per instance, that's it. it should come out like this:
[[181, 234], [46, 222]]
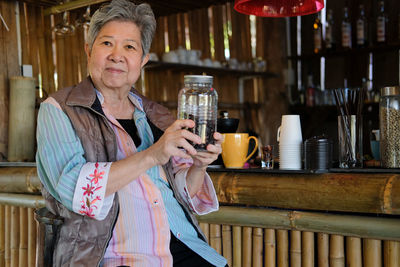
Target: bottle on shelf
[[346, 29], [310, 91], [329, 36], [381, 20], [317, 27], [398, 28], [362, 39]]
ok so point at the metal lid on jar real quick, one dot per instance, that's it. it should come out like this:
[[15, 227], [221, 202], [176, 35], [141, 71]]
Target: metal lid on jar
[[198, 79], [390, 90]]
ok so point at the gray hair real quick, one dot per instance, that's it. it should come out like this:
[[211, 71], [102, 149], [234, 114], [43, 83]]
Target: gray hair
[[124, 10]]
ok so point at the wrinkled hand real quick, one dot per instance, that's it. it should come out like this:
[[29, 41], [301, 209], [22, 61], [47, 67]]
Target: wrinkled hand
[[202, 159], [173, 140]]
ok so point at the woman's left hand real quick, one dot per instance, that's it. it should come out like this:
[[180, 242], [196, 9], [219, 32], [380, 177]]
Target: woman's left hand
[[202, 159]]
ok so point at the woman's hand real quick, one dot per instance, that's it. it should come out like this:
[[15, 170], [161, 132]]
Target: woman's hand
[[202, 159], [195, 175], [173, 140]]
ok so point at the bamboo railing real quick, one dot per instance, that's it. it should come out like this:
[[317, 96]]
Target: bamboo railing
[[248, 235]]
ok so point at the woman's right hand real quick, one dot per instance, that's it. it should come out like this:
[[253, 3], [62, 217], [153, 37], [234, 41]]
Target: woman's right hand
[[173, 140]]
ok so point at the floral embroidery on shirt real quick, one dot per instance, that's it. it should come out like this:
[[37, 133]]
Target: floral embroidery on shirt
[[89, 196]]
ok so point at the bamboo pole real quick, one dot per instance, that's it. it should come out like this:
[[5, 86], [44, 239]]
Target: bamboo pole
[[32, 228], [19, 180], [257, 247], [346, 225], [323, 249], [336, 252], [23, 237], [215, 237], [270, 248], [7, 256], [237, 246], [247, 246], [307, 250], [391, 253], [205, 227], [362, 193], [70, 5], [372, 253], [283, 246], [14, 240], [227, 243], [353, 252], [2, 235], [295, 248], [28, 201], [21, 131], [3, 116]]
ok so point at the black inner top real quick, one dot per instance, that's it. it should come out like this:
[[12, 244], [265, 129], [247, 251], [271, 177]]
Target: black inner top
[[130, 127]]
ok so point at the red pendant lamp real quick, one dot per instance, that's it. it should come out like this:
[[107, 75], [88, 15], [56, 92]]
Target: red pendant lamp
[[278, 8]]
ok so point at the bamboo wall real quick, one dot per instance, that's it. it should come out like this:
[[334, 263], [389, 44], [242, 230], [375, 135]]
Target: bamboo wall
[[17, 236], [253, 246], [242, 245]]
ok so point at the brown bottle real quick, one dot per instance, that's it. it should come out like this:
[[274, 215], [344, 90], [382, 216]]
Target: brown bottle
[[362, 28], [381, 21], [330, 43], [317, 27], [346, 29]]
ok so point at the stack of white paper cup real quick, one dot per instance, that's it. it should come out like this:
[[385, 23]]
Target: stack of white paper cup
[[290, 143]]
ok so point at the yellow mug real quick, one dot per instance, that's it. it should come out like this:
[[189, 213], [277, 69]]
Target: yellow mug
[[235, 147]]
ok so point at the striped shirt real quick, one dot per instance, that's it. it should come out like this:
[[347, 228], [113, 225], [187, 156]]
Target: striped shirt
[[148, 210]]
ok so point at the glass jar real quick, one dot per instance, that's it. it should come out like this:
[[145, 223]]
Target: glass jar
[[198, 101], [389, 124]]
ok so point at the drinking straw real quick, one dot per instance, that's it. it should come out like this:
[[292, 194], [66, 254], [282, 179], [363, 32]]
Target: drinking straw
[[343, 110]]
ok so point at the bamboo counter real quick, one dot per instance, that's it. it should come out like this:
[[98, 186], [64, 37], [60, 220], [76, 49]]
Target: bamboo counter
[[355, 192]]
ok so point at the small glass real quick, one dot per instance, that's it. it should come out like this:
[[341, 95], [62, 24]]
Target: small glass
[[267, 157], [350, 142]]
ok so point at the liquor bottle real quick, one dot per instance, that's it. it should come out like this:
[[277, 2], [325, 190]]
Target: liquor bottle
[[317, 34], [310, 92], [381, 24], [362, 28], [346, 29], [329, 36]]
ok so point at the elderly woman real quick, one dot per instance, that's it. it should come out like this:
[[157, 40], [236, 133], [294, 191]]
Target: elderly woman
[[111, 161]]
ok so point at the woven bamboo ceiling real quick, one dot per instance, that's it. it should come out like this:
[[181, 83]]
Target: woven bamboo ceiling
[[160, 7]]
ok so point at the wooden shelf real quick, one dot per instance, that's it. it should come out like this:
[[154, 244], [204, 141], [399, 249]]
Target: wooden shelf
[[349, 52], [221, 105], [160, 65]]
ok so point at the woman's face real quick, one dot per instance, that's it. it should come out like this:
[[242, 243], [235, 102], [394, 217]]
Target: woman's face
[[115, 60]]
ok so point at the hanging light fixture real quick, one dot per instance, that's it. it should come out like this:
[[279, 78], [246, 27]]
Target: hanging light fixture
[[278, 8]]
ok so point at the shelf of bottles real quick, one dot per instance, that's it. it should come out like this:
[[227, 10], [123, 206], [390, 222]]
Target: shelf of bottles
[[361, 35], [365, 40]]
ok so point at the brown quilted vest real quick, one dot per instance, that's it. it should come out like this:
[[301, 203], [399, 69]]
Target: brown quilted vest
[[82, 241]]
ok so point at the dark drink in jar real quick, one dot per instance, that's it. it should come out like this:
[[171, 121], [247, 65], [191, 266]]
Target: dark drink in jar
[[198, 101]]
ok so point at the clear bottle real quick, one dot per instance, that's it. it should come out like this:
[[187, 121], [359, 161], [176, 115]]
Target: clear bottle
[[330, 42], [362, 28], [317, 27], [198, 101], [346, 29], [389, 125], [381, 20]]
